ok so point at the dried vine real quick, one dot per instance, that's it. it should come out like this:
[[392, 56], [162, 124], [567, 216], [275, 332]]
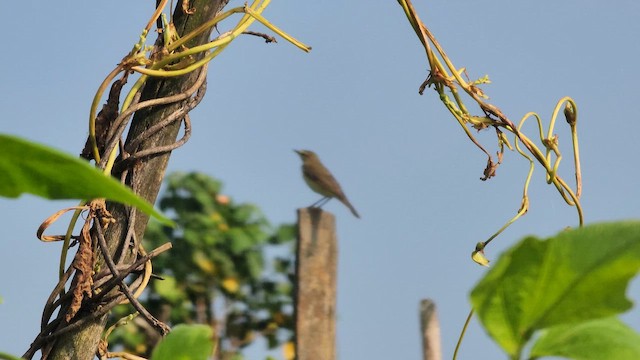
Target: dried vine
[[446, 79], [85, 291]]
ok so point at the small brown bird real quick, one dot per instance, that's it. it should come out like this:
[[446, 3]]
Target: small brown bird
[[321, 181]]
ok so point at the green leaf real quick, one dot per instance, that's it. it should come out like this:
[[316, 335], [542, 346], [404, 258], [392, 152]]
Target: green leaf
[[239, 241], [186, 342], [576, 276], [5, 356], [32, 168], [169, 290], [606, 338], [255, 264], [284, 233], [244, 213]]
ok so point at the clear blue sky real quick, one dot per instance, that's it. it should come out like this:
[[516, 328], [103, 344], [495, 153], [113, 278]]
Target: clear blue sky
[[405, 164]]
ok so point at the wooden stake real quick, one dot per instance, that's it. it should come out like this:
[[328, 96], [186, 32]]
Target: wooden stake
[[430, 328], [315, 297]]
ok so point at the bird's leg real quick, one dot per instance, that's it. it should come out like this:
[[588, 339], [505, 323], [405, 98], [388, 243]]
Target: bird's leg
[[326, 200], [321, 202]]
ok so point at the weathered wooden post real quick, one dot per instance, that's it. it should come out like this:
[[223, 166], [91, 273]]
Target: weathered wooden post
[[315, 294], [430, 329]]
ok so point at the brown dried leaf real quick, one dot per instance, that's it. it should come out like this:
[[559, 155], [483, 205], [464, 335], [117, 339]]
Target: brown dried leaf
[[490, 170], [187, 9], [490, 109], [105, 119], [83, 263], [436, 77], [50, 220], [99, 208], [476, 90], [84, 260]]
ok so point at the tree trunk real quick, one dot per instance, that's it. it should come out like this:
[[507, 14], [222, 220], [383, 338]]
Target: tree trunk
[[149, 172]]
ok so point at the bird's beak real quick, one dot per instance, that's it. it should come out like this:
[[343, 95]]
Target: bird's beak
[[297, 152]]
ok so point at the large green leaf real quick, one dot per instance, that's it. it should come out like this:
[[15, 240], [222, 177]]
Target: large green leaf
[[5, 356], [186, 342], [606, 338], [32, 168], [575, 276]]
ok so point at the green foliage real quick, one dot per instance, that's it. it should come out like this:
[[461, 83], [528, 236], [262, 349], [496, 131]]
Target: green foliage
[[560, 284], [32, 168], [186, 342], [5, 356], [217, 272], [606, 338]]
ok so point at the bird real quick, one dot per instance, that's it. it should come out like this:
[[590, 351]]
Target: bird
[[320, 180]]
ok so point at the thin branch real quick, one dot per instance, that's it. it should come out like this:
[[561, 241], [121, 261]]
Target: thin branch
[[158, 325]]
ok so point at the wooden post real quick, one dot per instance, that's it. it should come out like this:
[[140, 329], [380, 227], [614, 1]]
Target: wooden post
[[315, 296], [430, 328]]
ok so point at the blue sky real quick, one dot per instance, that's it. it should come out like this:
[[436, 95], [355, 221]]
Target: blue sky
[[403, 161]]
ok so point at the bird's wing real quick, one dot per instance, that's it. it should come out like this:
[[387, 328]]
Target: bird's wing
[[326, 183]]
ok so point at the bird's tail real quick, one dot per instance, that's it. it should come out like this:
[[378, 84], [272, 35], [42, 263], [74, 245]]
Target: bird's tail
[[353, 210]]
